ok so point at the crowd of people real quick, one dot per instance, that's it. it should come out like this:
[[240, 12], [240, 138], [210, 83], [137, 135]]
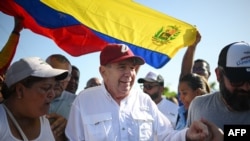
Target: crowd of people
[[39, 100]]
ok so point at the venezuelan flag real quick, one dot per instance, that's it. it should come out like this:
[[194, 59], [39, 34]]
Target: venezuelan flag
[[153, 35], [67, 32]]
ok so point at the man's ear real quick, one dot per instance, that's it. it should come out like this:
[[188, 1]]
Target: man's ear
[[218, 74], [162, 89], [102, 70]]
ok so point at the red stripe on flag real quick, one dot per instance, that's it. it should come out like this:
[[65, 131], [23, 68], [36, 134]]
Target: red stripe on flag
[[76, 40]]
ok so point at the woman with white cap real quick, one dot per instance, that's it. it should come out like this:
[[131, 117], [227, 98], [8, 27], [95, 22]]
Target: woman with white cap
[[28, 90]]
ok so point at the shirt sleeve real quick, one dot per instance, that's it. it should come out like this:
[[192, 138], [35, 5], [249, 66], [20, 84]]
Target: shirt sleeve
[[165, 131], [75, 129]]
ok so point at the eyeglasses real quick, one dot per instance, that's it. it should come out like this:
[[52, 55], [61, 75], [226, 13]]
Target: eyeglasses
[[235, 83], [148, 86]]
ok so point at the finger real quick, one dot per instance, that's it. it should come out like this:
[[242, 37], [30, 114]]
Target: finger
[[59, 126], [216, 133], [212, 126], [59, 131], [203, 128]]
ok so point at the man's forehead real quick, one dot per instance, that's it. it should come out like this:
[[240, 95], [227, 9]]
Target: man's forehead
[[130, 61], [200, 64]]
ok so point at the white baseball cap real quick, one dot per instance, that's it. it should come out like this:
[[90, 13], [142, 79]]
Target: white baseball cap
[[152, 77], [32, 66], [235, 60]]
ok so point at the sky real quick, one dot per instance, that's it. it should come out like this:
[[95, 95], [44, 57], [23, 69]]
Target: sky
[[220, 22]]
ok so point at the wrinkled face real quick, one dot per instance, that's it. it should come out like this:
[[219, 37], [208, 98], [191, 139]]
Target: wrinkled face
[[74, 81], [154, 90], [37, 98], [119, 78], [187, 94], [201, 69], [237, 97]]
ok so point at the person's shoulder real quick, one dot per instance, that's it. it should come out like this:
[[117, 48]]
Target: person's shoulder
[[68, 95], [1, 109], [206, 98], [139, 93], [209, 95], [169, 103], [92, 92]]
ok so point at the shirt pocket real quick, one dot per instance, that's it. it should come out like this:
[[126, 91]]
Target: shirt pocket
[[143, 125], [98, 127]]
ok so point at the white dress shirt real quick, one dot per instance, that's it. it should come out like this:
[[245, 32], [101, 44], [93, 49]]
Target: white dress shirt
[[95, 116]]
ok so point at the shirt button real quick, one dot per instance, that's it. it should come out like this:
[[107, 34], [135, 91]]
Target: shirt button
[[123, 128]]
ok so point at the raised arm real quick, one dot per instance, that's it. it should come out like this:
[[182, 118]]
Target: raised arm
[[187, 61], [8, 51]]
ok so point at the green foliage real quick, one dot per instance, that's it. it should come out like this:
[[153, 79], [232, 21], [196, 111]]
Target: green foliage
[[212, 85], [167, 93]]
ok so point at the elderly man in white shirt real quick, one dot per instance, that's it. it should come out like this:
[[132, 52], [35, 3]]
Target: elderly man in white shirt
[[115, 111]]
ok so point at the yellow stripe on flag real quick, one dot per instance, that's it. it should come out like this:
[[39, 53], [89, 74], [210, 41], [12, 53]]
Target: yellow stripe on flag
[[130, 22]]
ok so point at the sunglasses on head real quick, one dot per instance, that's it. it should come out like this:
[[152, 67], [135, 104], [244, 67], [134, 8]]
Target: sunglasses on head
[[235, 83], [148, 86]]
